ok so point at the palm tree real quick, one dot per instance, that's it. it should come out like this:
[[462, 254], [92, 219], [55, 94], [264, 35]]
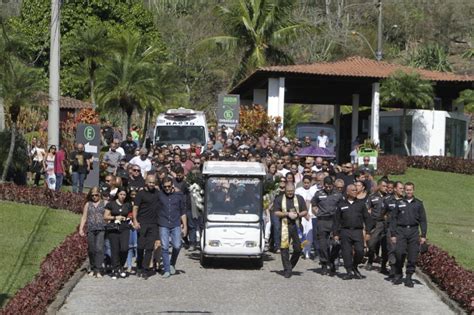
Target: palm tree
[[19, 85], [127, 79], [91, 46], [408, 90], [260, 28], [295, 114]]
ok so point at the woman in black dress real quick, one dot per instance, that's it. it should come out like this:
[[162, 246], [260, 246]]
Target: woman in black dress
[[116, 212]]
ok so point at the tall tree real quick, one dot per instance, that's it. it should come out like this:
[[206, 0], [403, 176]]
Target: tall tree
[[259, 28], [127, 80], [91, 47], [19, 84], [408, 90]]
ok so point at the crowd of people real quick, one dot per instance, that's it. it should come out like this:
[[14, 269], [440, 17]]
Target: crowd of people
[[143, 206]]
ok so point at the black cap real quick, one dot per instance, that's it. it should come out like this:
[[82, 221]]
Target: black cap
[[328, 180]]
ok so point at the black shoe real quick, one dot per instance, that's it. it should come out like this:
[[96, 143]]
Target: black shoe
[[332, 269], [287, 274], [357, 274], [397, 280], [348, 276], [384, 271], [369, 267], [324, 270], [409, 282], [146, 274], [139, 273]]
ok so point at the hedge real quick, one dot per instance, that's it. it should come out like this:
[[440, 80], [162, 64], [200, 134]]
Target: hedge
[[443, 269], [442, 163]]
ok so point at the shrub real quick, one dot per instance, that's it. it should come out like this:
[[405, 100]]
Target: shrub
[[449, 276], [391, 165], [42, 197], [19, 166], [255, 121], [442, 163], [55, 270]]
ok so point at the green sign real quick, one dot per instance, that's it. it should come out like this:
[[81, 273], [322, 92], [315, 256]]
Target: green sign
[[228, 110]]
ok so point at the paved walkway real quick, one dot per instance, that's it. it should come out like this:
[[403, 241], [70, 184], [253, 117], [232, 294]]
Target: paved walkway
[[238, 289]]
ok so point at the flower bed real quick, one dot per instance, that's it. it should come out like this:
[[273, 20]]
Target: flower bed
[[456, 281], [56, 269], [391, 165], [42, 197], [60, 264], [442, 163]]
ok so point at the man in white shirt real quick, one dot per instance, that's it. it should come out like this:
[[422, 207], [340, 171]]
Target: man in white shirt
[[142, 161], [280, 168], [323, 140], [307, 192]]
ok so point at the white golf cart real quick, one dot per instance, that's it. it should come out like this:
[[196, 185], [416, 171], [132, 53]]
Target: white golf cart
[[233, 225]]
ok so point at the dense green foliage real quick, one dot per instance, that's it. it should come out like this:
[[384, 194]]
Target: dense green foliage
[[19, 165], [76, 17], [250, 34]]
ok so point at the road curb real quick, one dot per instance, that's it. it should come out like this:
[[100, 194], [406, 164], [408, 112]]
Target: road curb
[[453, 305], [62, 295]]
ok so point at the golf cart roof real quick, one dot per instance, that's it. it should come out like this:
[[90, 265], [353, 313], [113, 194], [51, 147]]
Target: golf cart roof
[[234, 168]]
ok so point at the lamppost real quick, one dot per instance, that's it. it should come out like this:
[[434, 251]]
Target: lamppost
[[377, 54], [355, 33]]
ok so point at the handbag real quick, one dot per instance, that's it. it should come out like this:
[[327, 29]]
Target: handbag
[[112, 226]]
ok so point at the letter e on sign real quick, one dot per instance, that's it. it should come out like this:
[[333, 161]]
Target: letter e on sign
[[89, 133]]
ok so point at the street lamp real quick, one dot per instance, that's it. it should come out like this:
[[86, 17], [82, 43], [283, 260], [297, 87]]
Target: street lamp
[[378, 53], [355, 33]]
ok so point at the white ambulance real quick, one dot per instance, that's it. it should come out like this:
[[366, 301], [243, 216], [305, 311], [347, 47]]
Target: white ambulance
[[181, 127]]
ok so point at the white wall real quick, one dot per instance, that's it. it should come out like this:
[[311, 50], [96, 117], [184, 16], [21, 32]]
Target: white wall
[[429, 128]]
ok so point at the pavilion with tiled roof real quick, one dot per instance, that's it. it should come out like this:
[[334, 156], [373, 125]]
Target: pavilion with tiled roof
[[67, 105], [353, 81]]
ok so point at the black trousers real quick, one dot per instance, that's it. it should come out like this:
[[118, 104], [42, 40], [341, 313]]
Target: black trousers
[[95, 249], [118, 247], [147, 235], [289, 264], [378, 239], [328, 250], [352, 244], [407, 247], [391, 257]]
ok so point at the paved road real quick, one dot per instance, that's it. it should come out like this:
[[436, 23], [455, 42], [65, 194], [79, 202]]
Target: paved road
[[237, 288]]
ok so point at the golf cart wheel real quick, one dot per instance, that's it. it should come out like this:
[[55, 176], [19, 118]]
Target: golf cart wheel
[[258, 263], [205, 261]]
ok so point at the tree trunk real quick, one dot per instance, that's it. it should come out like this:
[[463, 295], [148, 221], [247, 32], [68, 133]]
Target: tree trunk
[[145, 126], [129, 121], [2, 115], [404, 132], [124, 124], [8, 162], [92, 84]]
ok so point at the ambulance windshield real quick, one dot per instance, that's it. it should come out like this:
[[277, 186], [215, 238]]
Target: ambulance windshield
[[180, 134]]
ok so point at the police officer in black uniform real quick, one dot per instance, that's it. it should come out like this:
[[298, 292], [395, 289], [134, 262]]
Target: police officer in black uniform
[[377, 209], [407, 219], [324, 205], [390, 204], [349, 221]]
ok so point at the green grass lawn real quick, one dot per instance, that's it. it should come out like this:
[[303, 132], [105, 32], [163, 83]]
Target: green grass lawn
[[27, 234], [449, 203]]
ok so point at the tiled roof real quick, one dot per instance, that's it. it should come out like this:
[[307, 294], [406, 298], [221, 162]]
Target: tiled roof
[[64, 102], [363, 67]]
